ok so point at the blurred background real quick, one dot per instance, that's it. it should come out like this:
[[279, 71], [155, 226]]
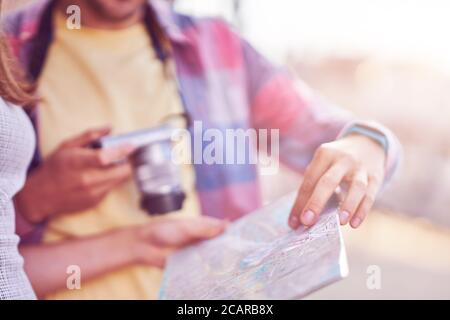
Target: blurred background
[[387, 60]]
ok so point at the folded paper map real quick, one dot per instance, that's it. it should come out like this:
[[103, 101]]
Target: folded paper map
[[260, 257]]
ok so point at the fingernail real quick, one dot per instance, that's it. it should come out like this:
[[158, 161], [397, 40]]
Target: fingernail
[[356, 222], [308, 218], [343, 217], [294, 222]]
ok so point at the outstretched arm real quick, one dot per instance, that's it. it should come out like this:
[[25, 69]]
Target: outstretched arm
[[150, 244], [322, 141]]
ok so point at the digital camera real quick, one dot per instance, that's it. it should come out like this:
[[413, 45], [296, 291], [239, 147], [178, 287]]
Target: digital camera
[[158, 177]]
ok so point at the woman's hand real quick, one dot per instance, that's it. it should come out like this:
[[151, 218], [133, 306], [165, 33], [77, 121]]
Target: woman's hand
[[156, 240], [356, 160]]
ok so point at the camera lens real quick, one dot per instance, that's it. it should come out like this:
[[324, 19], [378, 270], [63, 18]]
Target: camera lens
[[163, 203], [158, 178]]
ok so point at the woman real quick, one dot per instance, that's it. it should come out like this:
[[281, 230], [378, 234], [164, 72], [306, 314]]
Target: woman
[[16, 149]]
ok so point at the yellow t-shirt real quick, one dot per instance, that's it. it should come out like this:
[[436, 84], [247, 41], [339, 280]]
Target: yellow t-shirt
[[92, 78]]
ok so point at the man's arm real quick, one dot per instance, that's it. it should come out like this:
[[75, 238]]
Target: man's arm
[[46, 264], [324, 142], [304, 118]]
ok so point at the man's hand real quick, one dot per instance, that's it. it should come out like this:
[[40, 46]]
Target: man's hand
[[149, 244], [156, 240], [356, 160], [74, 177]]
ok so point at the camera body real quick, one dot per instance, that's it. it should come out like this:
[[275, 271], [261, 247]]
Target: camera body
[[158, 178]]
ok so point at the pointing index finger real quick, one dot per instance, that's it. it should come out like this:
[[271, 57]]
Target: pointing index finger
[[323, 191], [312, 174]]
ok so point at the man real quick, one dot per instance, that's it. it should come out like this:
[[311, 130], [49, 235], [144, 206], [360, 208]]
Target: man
[[118, 69]]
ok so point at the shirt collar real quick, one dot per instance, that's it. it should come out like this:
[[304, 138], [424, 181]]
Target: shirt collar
[[169, 20]]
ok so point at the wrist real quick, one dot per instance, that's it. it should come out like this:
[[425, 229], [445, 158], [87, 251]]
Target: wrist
[[128, 240], [31, 201], [369, 133], [28, 205], [367, 144]]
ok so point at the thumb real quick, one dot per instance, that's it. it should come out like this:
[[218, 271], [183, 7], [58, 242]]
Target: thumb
[[87, 137], [197, 229], [178, 233]]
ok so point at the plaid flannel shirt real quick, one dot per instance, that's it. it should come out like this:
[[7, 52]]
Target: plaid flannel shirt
[[224, 83]]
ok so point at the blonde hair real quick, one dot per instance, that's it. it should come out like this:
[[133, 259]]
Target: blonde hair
[[14, 87]]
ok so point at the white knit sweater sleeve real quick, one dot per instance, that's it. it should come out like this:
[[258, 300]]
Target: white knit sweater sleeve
[[16, 148]]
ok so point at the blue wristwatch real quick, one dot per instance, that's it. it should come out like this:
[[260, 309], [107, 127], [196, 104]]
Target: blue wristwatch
[[370, 133]]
